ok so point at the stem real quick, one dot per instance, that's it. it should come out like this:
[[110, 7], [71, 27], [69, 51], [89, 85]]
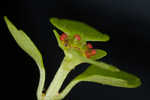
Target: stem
[[53, 90], [41, 82], [68, 88]]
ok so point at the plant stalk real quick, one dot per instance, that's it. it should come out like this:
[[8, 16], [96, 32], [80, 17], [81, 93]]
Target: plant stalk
[[63, 71], [68, 88], [41, 82]]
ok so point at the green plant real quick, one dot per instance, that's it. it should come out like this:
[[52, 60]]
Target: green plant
[[73, 41]]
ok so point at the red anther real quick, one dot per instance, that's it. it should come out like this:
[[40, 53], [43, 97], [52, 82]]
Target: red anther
[[89, 45], [77, 37], [93, 52], [87, 54], [63, 36]]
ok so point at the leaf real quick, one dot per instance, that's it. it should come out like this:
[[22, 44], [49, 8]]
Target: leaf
[[72, 27], [106, 77], [24, 42], [102, 76], [102, 65]]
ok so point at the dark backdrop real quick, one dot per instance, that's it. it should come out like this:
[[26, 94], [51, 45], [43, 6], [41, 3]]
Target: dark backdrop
[[126, 21]]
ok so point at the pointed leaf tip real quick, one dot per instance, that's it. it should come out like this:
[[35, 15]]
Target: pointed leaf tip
[[106, 77], [25, 42]]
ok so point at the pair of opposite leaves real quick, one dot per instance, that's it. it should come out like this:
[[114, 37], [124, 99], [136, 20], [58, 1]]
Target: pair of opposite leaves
[[98, 72]]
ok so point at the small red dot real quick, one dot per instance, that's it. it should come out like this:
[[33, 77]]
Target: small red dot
[[63, 36], [89, 45], [93, 52], [88, 54], [77, 37]]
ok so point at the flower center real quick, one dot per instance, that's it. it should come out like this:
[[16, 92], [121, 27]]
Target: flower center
[[75, 42]]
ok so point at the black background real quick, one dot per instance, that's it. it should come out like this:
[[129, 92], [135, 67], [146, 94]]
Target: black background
[[126, 21]]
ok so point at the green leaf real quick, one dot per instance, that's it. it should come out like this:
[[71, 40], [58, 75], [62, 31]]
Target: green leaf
[[102, 76], [106, 77], [102, 65], [72, 27], [24, 42]]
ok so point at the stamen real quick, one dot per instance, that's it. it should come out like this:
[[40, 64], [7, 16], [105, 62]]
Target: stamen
[[77, 37], [89, 45], [87, 54], [93, 52], [63, 37], [67, 42]]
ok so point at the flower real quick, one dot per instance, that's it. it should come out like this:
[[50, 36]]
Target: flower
[[73, 41]]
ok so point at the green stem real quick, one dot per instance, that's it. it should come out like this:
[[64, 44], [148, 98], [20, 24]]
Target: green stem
[[68, 88], [53, 90], [41, 82]]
